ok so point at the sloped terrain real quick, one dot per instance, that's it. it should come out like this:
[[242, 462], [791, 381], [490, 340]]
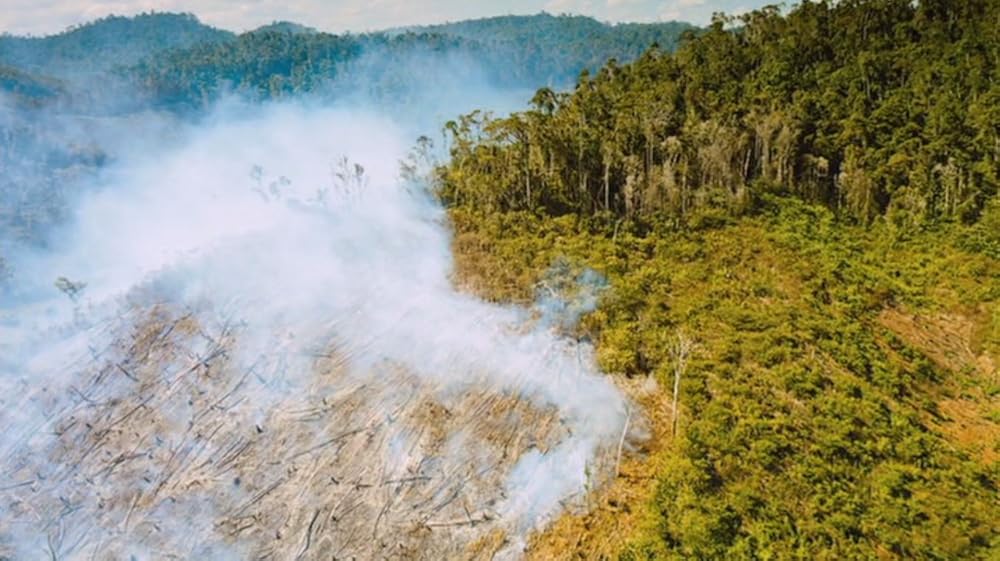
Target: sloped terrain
[[163, 449], [243, 364], [839, 397]]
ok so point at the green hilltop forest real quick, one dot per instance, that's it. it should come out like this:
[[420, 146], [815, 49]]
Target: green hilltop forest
[[548, 49], [177, 62], [117, 66], [796, 212], [870, 108], [103, 44], [284, 59], [798, 216]]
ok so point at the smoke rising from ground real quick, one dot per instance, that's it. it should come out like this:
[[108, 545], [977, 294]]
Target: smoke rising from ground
[[270, 243]]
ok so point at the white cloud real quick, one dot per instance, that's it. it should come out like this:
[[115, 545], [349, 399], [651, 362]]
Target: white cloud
[[670, 14]]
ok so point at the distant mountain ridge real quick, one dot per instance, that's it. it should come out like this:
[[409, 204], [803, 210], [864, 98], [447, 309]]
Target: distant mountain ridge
[[178, 54], [105, 43], [121, 66], [566, 43], [553, 28], [286, 27]]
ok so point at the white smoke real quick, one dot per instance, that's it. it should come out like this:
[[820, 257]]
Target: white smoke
[[295, 223]]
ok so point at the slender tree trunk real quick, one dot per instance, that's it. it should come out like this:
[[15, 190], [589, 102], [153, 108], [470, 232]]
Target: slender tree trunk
[[681, 351], [607, 184], [527, 179]]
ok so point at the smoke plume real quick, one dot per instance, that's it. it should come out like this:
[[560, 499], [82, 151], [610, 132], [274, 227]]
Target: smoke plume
[[254, 348]]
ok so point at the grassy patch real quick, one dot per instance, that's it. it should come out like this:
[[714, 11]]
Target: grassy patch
[[811, 426]]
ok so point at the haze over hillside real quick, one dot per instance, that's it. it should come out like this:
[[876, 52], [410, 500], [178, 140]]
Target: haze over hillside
[[241, 227], [530, 50], [117, 66], [518, 287], [355, 16]]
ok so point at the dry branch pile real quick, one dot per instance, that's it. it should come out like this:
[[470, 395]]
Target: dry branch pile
[[170, 447]]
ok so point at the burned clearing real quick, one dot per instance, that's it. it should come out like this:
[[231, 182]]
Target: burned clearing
[[167, 448]]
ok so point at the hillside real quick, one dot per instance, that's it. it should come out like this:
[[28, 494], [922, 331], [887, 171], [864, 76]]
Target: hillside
[[509, 52], [237, 352], [26, 88], [798, 219], [839, 397], [178, 62], [103, 44], [873, 109], [262, 65], [285, 27], [732, 296], [172, 62], [554, 49]]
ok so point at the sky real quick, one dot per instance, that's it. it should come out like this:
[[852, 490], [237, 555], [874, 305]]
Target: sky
[[42, 17]]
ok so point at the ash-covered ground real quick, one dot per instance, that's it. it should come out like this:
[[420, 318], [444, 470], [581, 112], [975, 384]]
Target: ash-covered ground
[[256, 351]]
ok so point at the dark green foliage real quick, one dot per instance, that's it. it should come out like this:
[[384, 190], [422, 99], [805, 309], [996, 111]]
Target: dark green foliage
[[115, 66], [177, 62], [782, 189], [261, 64], [808, 429], [101, 45], [27, 88], [282, 59], [548, 49], [874, 108], [985, 236]]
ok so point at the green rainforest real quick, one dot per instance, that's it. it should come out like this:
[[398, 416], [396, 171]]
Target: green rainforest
[[808, 200], [794, 214]]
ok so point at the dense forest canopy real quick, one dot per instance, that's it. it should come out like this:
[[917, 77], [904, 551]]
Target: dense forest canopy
[[117, 66], [177, 62], [796, 213], [514, 51], [23, 86], [887, 107], [103, 44], [272, 64], [552, 50], [798, 216]]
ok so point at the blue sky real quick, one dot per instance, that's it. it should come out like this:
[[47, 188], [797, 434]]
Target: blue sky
[[50, 16]]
